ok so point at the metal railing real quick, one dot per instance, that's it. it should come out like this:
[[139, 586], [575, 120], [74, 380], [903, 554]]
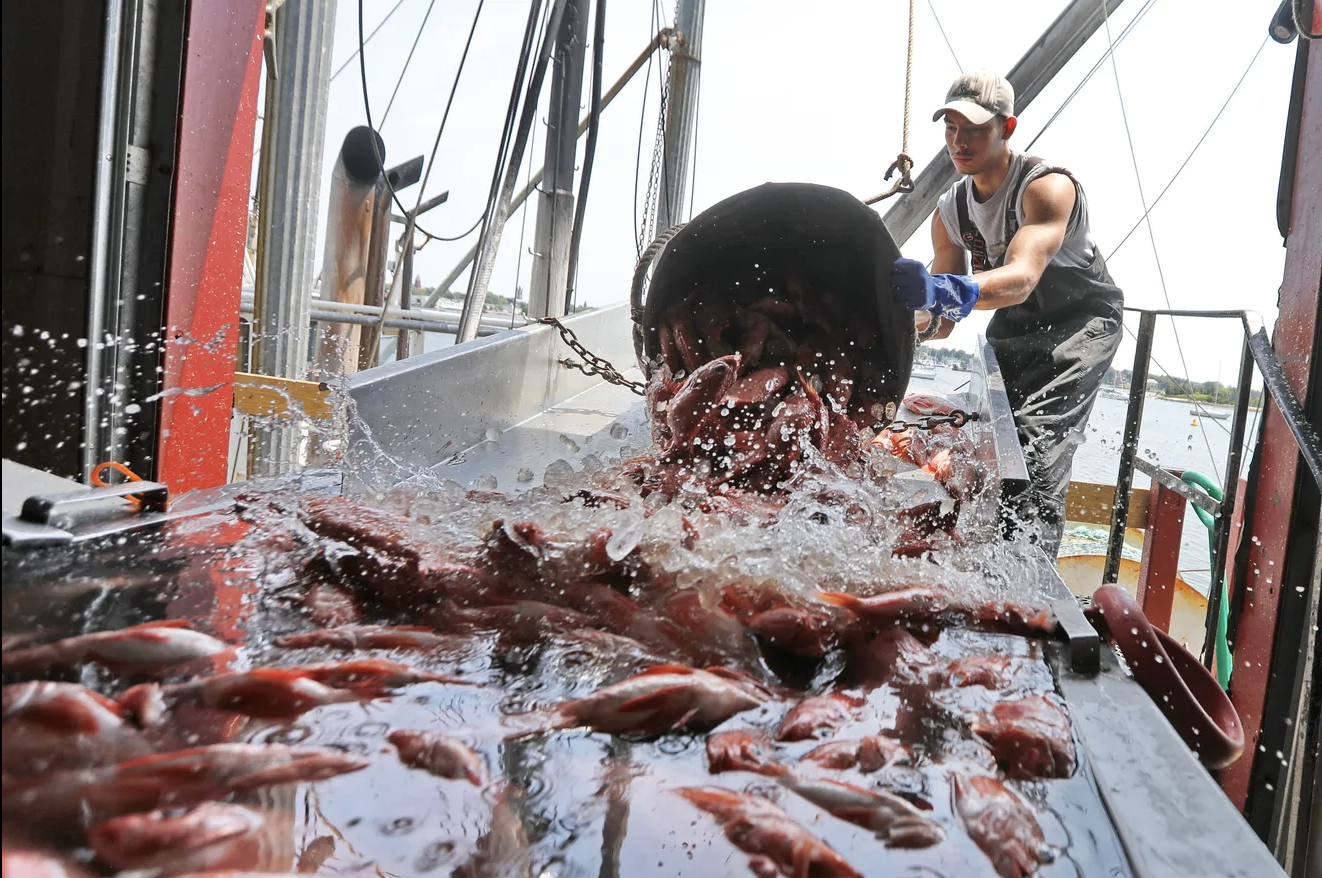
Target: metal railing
[[1256, 349]]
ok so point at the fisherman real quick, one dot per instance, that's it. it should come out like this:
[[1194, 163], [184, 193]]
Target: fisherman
[[1034, 262]]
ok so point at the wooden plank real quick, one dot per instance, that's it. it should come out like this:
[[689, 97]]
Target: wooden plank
[[1090, 503], [264, 396]]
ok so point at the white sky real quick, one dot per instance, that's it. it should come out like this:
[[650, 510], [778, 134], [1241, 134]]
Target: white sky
[[813, 92]]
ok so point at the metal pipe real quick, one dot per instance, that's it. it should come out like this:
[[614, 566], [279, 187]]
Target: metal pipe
[[374, 292], [1138, 384], [353, 198], [481, 277], [443, 314], [109, 173], [289, 188], [1221, 532], [1039, 65], [681, 111], [555, 205], [1274, 379], [589, 153], [536, 179]]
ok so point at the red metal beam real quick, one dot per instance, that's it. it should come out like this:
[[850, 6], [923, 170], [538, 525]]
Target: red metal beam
[[217, 122], [1275, 488], [1161, 555]]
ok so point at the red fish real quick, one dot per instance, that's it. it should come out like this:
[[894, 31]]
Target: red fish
[[1000, 824], [928, 404], [762, 830], [1030, 737], [817, 715], [921, 603], [892, 655], [353, 637], [894, 820], [700, 392], [61, 707], [178, 779], [868, 754], [662, 699], [207, 837], [330, 605], [759, 387], [741, 750], [991, 671], [439, 754], [142, 649]]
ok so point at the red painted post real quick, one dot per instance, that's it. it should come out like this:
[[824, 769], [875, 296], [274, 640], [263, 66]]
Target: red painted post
[[1161, 555], [1275, 487], [213, 167]]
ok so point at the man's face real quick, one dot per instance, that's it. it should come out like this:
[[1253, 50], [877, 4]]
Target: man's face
[[975, 148]]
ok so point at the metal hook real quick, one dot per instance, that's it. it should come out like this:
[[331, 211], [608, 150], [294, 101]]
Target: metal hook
[[904, 165]]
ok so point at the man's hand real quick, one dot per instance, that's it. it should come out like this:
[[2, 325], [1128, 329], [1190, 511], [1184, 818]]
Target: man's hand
[[950, 295]]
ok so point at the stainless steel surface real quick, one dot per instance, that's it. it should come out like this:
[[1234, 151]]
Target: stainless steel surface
[[1082, 642], [1154, 471], [1048, 54], [107, 226], [1174, 821], [421, 412], [293, 141], [555, 203], [681, 112], [1000, 439]]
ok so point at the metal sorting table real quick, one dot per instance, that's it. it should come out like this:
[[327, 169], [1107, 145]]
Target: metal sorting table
[[504, 408]]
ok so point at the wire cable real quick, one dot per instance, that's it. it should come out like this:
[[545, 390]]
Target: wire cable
[[638, 156], [1152, 237], [1110, 49], [407, 62], [363, 42], [589, 153], [1190, 156], [944, 37]]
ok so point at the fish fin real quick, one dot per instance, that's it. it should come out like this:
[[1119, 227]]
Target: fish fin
[[166, 623], [683, 720], [837, 599]]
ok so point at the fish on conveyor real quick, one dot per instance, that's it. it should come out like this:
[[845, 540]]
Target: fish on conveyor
[[892, 655], [141, 649], [769, 835], [895, 821], [867, 754], [279, 693], [818, 715], [50, 725], [175, 780], [741, 750], [353, 637], [1030, 737], [922, 603], [666, 698], [207, 837], [438, 754], [331, 605], [1001, 825], [995, 672]]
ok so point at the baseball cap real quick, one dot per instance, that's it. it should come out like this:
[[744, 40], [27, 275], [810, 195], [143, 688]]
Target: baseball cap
[[979, 97]]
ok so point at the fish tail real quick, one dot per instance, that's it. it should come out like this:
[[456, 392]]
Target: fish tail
[[838, 599]]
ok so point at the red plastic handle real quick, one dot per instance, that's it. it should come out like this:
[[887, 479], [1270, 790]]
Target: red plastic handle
[[1182, 688]]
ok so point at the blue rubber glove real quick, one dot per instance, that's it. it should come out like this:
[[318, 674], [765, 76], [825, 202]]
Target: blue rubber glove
[[950, 295]]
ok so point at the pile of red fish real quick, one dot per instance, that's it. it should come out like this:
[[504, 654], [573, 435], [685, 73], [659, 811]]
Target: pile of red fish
[[926, 711]]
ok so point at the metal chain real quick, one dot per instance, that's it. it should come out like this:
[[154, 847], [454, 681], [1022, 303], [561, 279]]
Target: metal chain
[[592, 364], [957, 418]]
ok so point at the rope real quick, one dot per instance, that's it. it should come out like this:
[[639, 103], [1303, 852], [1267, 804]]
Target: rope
[[407, 61], [363, 43], [908, 82], [1156, 256]]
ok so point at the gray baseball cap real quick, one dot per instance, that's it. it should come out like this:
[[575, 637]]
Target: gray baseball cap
[[979, 97]]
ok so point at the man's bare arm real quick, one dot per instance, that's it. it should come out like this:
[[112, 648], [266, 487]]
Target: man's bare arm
[[1048, 203], [948, 258]]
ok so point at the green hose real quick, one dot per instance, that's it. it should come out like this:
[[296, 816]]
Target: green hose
[[1224, 661]]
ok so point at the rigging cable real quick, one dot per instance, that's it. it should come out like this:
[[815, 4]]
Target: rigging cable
[[1215, 118], [407, 61], [1161, 276], [1110, 49], [589, 153], [363, 42], [944, 37], [638, 155], [367, 111]]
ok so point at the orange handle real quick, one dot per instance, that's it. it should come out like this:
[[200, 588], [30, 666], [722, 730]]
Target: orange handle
[[100, 480]]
